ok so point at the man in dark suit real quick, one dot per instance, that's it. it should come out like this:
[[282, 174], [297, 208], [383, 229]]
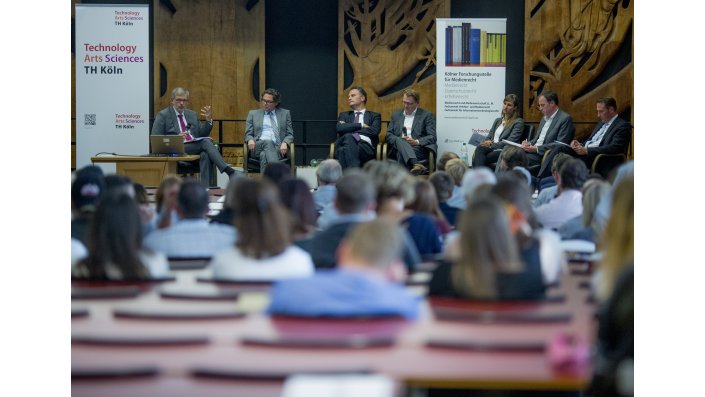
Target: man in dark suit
[[178, 120], [556, 126], [358, 131], [269, 131], [610, 136], [411, 134]]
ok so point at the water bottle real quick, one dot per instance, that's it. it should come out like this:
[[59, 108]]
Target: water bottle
[[464, 153]]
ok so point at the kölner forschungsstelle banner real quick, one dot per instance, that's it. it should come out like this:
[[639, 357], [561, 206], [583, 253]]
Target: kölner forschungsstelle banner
[[470, 83], [112, 81]]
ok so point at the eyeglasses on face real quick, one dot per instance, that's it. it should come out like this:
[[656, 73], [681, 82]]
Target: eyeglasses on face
[[267, 102], [181, 100]]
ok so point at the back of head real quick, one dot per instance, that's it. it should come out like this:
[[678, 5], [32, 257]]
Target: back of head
[[87, 188], [329, 171], [297, 198], [193, 200], [443, 184], [426, 201], [233, 185], [115, 238], [573, 174], [391, 180], [356, 192], [444, 158], [140, 193], [522, 174], [456, 168], [559, 160], [262, 222], [513, 190], [593, 191], [513, 157], [617, 240], [169, 182], [474, 178], [115, 183], [487, 248], [275, 172], [377, 243]]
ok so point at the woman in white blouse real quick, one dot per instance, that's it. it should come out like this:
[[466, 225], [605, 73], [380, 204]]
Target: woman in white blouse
[[263, 250], [509, 126]]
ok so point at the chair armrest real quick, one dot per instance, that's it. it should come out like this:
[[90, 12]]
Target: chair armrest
[[622, 158]]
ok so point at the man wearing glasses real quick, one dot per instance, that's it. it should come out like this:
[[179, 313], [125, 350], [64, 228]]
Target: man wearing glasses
[[412, 134], [178, 120], [269, 131]]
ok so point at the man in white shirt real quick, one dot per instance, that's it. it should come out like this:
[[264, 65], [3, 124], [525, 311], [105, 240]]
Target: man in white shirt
[[610, 136], [269, 131], [556, 126], [411, 134], [569, 202]]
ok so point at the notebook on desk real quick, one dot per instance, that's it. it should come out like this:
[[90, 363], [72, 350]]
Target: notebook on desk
[[170, 145]]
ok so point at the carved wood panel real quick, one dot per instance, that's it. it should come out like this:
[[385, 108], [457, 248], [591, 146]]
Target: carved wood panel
[[570, 45], [389, 45]]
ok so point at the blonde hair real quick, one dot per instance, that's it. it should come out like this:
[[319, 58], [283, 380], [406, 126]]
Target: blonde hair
[[391, 180], [618, 238], [456, 169], [378, 242]]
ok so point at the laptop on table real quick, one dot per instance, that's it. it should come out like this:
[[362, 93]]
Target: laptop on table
[[166, 145]]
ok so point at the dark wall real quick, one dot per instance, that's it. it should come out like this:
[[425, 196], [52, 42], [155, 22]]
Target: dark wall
[[301, 45]]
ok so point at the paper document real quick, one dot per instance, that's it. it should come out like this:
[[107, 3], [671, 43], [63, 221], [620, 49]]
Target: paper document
[[476, 139], [561, 143], [511, 143]]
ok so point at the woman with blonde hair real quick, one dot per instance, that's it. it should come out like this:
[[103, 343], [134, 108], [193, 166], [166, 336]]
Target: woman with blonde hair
[[263, 249]]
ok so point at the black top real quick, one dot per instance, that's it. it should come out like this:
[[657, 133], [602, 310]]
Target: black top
[[525, 285]]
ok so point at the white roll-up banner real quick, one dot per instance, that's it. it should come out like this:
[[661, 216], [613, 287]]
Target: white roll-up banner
[[470, 84], [112, 81]]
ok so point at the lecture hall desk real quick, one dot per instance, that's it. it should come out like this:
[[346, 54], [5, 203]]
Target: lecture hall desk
[[408, 361]]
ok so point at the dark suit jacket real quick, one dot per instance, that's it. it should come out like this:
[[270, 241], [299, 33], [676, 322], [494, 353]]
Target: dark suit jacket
[[166, 123], [255, 123], [323, 245], [373, 120], [561, 129], [513, 132], [615, 141], [423, 129]]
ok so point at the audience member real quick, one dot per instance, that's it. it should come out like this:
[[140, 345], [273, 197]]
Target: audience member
[[489, 266], [475, 178], [78, 251], [358, 131], [115, 250], [569, 202], [115, 183], [166, 199], [611, 135], [456, 168], [355, 202], [582, 226], [365, 284], [178, 120], [86, 191], [276, 172], [297, 199], [411, 134], [444, 158], [443, 184], [602, 212], [426, 202], [511, 157], [509, 126], [146, 211], [548, 193], [269, 131], [263, 250], [192, 236], [227, 214], [556, 126], [327, 174]]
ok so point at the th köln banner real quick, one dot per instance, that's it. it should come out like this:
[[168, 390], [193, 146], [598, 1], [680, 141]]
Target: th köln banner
[[470, 79], [112, 81]]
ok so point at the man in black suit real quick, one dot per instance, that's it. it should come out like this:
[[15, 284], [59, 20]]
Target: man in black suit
[[610, 136], [556, 126], [178, 120], [411, 134], [358, 131]]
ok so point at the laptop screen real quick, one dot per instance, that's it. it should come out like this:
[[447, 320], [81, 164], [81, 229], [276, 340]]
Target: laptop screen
[[166, 144]]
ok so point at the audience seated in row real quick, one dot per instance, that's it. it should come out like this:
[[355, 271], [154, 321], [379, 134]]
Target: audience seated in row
[[569, 202], [296, 196], [328, 173], [443, 184], [192, 236], [366, 282], [115, 250], [426, 202], [582, 226], [456, 169], [263, 250]]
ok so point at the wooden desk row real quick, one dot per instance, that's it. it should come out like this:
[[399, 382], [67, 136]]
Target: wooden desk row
[[245, 355]]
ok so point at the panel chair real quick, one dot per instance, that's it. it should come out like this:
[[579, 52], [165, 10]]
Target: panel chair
[[378, 151], [431, 158], [251, 164], [603, 164]]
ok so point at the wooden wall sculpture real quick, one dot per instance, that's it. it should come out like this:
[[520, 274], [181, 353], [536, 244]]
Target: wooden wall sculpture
[[390, 45], [212, 48], [568, 46]]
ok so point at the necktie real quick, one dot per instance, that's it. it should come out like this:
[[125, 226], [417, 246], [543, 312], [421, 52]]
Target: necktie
[[187, 134], [275, 127], [595, 141], [356, 135]]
